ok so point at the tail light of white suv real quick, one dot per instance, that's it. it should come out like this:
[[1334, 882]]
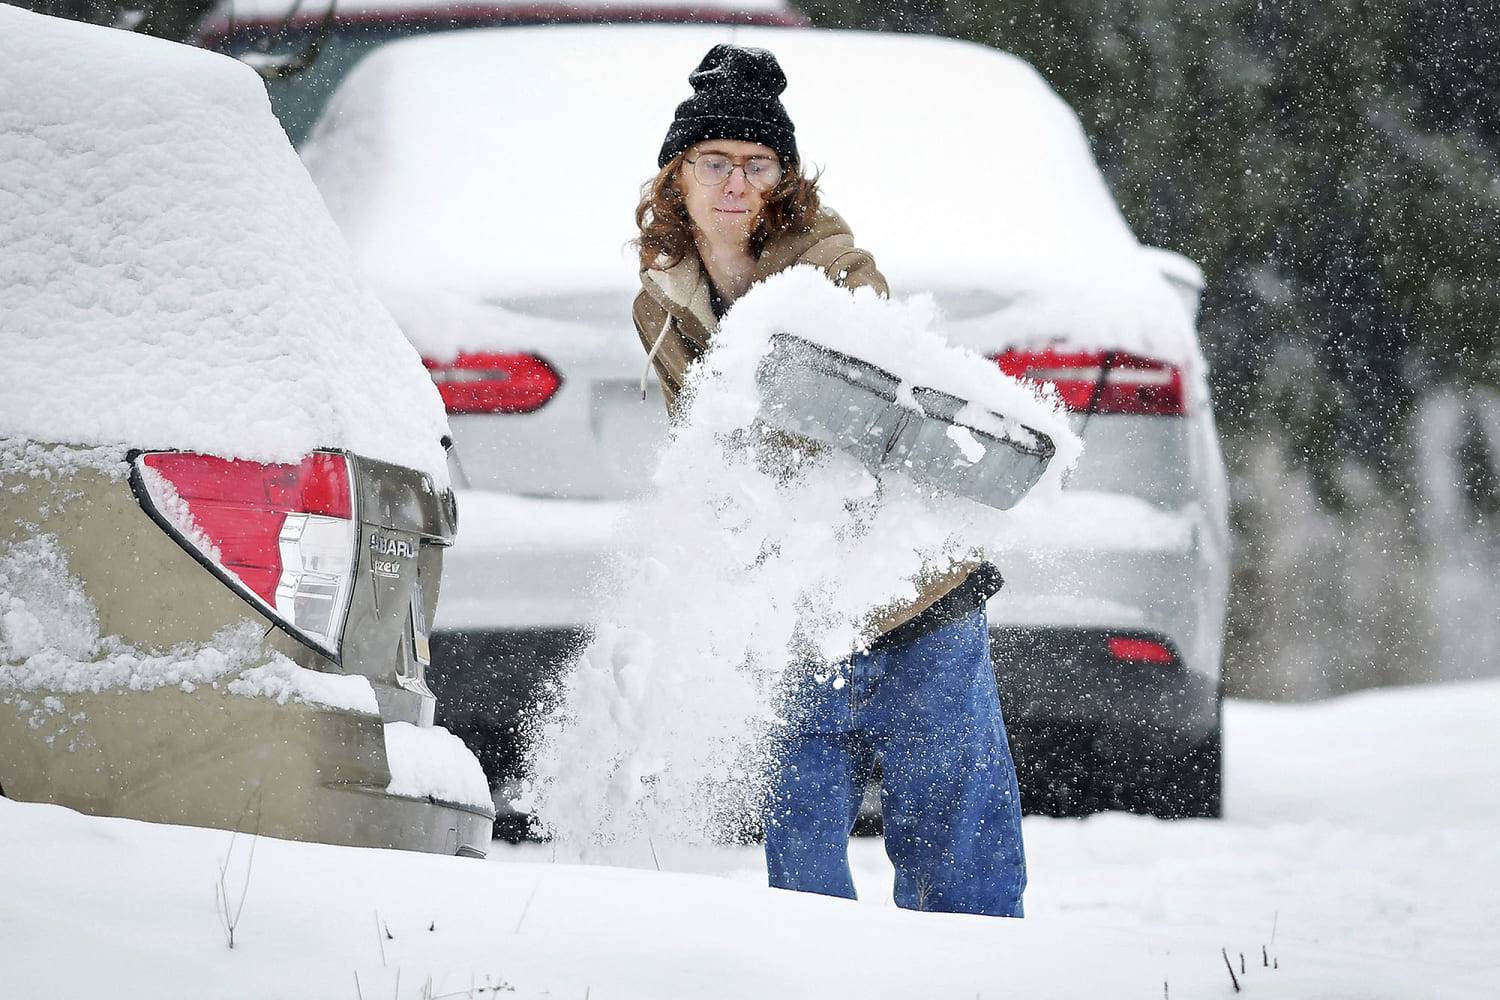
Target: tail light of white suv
[[1111, 382], [490, 382], [284, 536], [1133, 649]]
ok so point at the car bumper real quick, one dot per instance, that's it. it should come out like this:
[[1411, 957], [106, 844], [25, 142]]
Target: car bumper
[[207, 757], [1108, 562], [1090, 732], [1067, 677]]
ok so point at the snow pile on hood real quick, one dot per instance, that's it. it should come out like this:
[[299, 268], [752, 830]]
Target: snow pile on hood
[[740, 570], [497, 163], [50, 644], [169, 277]]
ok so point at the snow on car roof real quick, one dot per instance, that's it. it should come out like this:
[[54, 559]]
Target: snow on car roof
[[956, 165], [169, 277], [275, 10]]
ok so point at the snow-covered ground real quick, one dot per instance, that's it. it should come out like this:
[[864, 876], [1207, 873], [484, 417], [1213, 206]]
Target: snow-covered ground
[[1359, 858]]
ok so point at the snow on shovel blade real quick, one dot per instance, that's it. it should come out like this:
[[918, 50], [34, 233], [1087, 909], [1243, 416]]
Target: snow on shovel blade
[[938, 449], [830, 397], [852, 405]]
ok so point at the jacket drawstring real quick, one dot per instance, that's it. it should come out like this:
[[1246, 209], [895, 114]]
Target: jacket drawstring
[[651, 354]]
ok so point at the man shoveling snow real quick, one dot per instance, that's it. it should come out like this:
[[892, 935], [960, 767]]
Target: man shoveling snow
[[795, 618]]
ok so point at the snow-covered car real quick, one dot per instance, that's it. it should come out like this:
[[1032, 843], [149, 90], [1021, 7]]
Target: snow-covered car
[[305, 48], [487, 181], [1107, 639], [224, 498]]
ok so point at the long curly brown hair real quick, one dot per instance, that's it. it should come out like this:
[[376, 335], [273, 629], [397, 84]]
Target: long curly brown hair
[[667, 232]]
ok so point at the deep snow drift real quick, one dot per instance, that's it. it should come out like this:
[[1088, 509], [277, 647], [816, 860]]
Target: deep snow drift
[[736, 569], [1359, 849]]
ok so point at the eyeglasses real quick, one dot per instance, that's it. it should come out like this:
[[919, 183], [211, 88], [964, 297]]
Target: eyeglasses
[[713, 169]]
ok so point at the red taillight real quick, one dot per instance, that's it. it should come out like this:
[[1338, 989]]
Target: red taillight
[[1103, 381], [283, 534], [494, 383], [1140, 650]]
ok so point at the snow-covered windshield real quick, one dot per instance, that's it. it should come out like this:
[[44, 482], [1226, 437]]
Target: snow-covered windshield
[[447, 163]]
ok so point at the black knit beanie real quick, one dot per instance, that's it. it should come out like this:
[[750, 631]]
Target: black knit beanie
[[736, 95]]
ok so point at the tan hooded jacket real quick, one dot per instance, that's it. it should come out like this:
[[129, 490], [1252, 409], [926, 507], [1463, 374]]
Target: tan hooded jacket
[[675, 320]]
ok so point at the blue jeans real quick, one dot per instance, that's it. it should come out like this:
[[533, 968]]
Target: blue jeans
[[952, 813]]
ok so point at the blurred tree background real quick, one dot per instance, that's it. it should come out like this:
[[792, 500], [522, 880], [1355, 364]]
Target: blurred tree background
[[1334, 166]]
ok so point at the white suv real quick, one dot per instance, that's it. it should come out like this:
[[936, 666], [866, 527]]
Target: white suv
[[487, 182]]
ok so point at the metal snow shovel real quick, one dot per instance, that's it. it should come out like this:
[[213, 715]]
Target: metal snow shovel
[[852, 405]]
